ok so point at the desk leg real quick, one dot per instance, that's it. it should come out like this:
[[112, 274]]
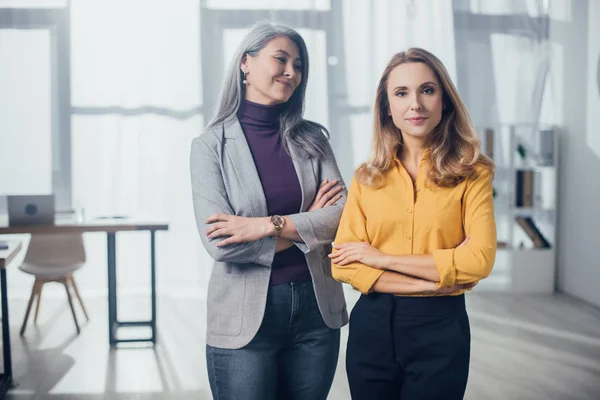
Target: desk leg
[[6, 381], [112, 287], [113, 323], [153, 282]]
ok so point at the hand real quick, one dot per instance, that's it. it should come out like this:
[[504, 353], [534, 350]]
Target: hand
[[239, 229], [362, 253], [326, 196], [455, 288]]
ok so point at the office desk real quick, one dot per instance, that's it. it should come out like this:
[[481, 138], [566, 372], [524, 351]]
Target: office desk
[[6, 256], [111, 227]]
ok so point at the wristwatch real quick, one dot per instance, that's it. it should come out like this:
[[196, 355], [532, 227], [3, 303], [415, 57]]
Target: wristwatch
[[278, 222]]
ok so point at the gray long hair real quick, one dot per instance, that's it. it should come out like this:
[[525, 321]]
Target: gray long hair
[[307, 135]]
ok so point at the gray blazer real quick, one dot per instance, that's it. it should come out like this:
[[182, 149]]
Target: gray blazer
[[225, 180]]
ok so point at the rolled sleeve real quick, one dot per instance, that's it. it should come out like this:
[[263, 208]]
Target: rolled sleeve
[[305, 231], [353, 229], [361, 277], [444, 261], [475, 260], [365, 277], [318, 228]]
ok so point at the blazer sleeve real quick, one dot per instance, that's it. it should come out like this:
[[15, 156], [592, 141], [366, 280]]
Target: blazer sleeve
[[318, 227], [353, 228], [474, 261], [210, 197]]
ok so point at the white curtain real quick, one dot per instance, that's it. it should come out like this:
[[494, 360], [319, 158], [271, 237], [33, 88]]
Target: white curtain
[[138, 101], [505, 53], [145, 77]]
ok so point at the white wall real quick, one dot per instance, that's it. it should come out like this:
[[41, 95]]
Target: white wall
[[579, 176]]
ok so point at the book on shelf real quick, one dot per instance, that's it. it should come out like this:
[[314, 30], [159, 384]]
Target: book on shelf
[[489, 143], [524, 190], [547, 147], [527, 224]]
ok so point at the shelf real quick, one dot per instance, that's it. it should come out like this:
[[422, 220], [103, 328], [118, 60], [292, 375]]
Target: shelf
[[518, 249], [534, 167], [530, 211], [519, 266], [545, 215]]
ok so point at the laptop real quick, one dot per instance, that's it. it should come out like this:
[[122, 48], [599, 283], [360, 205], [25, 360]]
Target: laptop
[[31, 210]]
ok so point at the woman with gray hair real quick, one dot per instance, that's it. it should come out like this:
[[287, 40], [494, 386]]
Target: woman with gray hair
[[268, 197]]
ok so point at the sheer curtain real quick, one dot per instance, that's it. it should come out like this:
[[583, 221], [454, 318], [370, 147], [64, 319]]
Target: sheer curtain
[[145, 79], [137, 104], [504, 52]]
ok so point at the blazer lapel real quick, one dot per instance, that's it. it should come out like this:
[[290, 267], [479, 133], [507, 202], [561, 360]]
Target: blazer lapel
[[237, 148], [306, 170]]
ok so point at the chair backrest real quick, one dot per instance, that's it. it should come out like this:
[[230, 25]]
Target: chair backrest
[[56, 249]]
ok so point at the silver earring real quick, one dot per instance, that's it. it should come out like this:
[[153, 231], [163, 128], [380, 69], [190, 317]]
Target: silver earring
[[245, 82]]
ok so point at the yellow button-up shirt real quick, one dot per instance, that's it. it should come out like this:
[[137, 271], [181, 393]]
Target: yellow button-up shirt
[[402, 218]]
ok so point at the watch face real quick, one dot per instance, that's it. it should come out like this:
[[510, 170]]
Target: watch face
[[277, 220]]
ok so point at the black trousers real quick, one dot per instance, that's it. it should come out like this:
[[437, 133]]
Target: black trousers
[[408, 348]]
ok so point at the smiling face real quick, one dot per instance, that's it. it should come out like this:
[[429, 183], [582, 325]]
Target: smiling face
[[274, 73], [415, 99]]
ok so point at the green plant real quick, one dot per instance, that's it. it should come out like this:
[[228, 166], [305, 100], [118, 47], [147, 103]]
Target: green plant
[[522, 151]]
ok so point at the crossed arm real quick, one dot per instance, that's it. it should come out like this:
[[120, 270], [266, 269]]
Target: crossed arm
[[237, 229], [228, 237], [400, 274], [368, 269]]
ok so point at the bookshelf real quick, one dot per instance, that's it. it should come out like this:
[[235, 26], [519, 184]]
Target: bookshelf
[[525, 195]]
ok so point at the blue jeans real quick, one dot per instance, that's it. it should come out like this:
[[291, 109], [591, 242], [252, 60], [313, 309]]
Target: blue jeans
[[293, 355]]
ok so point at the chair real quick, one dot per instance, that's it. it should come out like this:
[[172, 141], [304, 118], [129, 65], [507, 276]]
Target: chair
[[54, 258]]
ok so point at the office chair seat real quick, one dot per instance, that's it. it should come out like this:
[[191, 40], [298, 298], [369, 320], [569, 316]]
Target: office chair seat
[[49, 271]]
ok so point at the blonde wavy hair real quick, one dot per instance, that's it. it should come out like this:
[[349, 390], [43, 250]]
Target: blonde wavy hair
[[455, 149]]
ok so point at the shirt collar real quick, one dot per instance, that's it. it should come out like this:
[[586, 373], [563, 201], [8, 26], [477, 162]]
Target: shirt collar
[[426, 153]]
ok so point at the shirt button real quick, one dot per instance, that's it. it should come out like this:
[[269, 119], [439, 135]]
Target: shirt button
[[418, 189], [409, 211], [408, 238]]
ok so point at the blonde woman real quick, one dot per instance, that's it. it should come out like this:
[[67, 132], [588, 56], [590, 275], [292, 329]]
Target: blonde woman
[[417, 230]]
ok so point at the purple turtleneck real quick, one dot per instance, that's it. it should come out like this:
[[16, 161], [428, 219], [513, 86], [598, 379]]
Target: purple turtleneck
[[280, 183]]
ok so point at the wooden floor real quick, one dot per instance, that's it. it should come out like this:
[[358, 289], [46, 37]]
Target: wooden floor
[[527, 347]]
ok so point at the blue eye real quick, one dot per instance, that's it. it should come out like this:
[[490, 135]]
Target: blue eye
[[401, 93], [280, 59], [428, 90]]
